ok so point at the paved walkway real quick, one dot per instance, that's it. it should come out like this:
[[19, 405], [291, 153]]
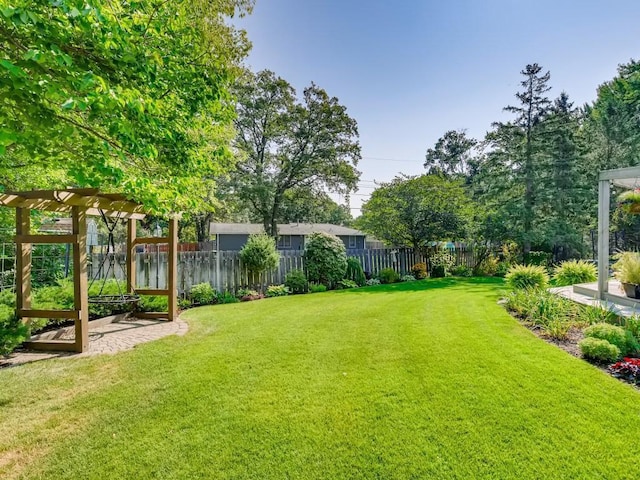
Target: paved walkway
[[110, 338]]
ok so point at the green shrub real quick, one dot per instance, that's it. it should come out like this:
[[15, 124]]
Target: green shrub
[[542, 259], [354, 272], [419, 270], [502, 268], [8, 298], [527, 276], [611, 333], [297, 282], [461, 271], [226, 297], [247, 295], [153, 303], [633, 345], [575, 271], [373, 281], [407, 278], [260, 254], [12, 331], [184, 303], [317, 288], [487, 267], [599, 350], [48, 265], [277, 291], [344, 284], [202, 294], [325, 258], [632, 325], [441, 262], [388, 275]]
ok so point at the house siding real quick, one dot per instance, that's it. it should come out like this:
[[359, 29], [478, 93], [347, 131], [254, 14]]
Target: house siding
[[359, 241], [235, 241], [232, 241], [297, 243]]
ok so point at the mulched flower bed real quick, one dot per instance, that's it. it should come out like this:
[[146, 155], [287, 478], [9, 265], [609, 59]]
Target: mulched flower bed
[[627, 373]]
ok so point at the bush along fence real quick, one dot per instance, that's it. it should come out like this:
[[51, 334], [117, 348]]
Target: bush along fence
[[224, 273]]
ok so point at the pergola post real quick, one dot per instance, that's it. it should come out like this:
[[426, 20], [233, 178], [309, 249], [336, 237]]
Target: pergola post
[[80, 300], [603, 237], [173, 269], [23, 262], [131, 256]]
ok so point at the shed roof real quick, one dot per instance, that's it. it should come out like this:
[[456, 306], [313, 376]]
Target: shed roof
[[283, 229]]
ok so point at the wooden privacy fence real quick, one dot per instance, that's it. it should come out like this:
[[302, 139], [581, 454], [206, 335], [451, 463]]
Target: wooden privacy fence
[[228, 274]]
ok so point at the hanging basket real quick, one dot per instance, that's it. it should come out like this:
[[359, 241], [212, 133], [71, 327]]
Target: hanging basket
[[629, 201], [633, 208]]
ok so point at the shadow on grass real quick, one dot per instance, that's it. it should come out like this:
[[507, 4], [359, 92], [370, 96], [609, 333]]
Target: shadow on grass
[[466, 284]]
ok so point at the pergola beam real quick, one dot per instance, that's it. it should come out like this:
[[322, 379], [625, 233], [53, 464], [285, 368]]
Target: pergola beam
[[629, 173], [113, 205]]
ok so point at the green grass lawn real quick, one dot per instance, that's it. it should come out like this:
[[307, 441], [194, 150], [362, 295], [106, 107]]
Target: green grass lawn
[[429, 379]]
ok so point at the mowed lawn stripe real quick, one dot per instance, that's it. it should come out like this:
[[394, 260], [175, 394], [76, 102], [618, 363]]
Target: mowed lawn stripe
[[429, 379]]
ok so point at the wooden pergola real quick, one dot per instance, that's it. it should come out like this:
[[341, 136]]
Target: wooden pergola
[[80, 203], [628, 178]]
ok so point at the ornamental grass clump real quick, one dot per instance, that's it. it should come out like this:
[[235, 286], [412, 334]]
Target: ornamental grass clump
[[354, 272], [527, 276], [626, 269], [575, 271]]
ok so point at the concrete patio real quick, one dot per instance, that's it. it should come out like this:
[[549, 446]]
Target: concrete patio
[[614, 299]]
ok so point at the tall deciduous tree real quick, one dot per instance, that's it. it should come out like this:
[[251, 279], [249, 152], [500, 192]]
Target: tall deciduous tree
[[413, 211], [121, 95], [309, 206], [288, 144], [451, 155]]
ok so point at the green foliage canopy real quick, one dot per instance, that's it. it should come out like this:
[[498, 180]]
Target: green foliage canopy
[[413, 211], [132, 96]]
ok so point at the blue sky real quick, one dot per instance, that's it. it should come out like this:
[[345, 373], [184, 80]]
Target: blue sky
[[409, 70]]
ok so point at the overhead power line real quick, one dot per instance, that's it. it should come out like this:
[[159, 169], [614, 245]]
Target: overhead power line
[[379, 159]]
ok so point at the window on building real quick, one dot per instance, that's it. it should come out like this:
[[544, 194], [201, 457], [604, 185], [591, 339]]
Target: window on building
[[353, 241], [284, 241]]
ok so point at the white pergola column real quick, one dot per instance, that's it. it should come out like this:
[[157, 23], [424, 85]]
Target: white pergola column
[[603, 237]]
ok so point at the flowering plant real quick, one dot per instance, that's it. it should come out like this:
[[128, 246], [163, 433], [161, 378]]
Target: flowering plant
[[628, 369]]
